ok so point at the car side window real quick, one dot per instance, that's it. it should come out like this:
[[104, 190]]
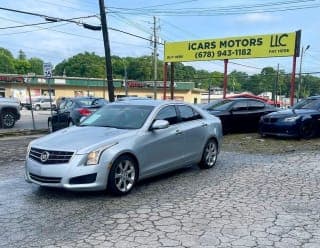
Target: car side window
[[69, 104], [169, 114], [62, 105], [187, 113], [240, 106], [255, 105]]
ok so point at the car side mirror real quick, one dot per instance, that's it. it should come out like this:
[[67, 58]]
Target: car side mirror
[[160, 124]]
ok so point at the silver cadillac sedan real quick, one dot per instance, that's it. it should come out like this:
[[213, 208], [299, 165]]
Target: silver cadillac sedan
[[122, 143]]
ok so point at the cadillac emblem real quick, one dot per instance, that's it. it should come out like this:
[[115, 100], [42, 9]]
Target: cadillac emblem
[[44, 156]]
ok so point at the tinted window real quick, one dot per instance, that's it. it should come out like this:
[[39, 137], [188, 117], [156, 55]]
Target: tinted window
[[168, 113], [221, 105], [63, 104], [187, 113], [240, 106], [255, 104], [308, 104], [69, 104]]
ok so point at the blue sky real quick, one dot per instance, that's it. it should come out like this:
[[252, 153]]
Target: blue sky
[[178, 20]]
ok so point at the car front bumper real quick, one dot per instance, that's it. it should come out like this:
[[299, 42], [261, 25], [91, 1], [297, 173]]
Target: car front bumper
[[285, 129], [74, 175]]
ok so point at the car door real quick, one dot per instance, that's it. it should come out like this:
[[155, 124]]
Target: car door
[[194, 129], [239, 116], [64, 113], [163, 149], [255, 110]]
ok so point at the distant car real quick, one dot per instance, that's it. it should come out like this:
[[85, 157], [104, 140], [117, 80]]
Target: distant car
[[302, 120], [71, 110], [43, 104], [9, 112], [239, 114], [123, 142]]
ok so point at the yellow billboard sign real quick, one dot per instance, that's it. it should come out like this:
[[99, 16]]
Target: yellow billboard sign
[[258, 46]]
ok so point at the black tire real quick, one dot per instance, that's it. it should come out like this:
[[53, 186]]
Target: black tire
[[122, 176], [209, 155], [37, 107], [8, 119], [307, 129], [50, 127], [70, 123]]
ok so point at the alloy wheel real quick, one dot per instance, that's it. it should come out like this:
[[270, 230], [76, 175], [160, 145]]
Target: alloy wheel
[[125, 175]]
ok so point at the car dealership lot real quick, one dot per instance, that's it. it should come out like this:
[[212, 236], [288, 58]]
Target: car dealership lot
[[252, 198]]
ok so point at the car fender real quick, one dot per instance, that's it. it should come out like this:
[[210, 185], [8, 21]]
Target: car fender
[[110, 155]]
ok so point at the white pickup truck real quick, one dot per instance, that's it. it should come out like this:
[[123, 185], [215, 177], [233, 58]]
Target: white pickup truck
[[9, 112]]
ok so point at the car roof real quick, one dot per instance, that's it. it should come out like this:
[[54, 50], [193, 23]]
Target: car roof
[[314, 97], [150, 102]]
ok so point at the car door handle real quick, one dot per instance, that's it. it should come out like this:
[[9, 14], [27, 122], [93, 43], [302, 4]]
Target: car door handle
[[204, 125], [178, 132]]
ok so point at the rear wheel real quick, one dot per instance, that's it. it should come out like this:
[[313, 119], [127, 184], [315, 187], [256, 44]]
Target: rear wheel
[[122, 176], [209, 155], [8, 119], [307, 129]]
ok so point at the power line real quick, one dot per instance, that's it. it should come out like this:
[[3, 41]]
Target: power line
[[41, 23], [229, 10]]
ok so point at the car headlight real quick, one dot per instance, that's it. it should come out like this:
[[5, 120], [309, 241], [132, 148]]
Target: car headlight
[[291, 119], [94, 156]]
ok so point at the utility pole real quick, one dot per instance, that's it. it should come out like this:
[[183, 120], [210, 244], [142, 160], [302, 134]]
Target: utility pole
[[155, 55], [106, 50], [276, 87], [300, 76]]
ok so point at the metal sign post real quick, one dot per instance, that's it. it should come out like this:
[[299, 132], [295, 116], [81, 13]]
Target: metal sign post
[[27, 81], [47, 71]]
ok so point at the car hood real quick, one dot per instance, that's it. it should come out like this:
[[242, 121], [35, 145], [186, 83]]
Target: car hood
[[291, 112], [82, 139]]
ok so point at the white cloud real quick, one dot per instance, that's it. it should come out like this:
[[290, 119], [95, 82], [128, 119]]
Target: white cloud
[[256, 17]]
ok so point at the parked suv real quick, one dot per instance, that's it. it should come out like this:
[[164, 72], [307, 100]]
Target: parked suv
[[43, 103], [9, 112]]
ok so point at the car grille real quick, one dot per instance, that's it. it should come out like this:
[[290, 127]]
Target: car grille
[[50, 157], [42, 179]]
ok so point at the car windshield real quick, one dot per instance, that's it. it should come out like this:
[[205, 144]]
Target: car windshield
[[119, 116], [220, 105], [308, 104]]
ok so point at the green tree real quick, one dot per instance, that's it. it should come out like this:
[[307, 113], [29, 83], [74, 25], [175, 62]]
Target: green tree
[[36, 66], [6, 52], [22, 55], [22, 66], [6, 64], [82, 65]]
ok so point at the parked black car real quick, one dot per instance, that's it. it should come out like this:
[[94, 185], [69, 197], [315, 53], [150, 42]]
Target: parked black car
[[239, 114], [301, 121], [71, 110]]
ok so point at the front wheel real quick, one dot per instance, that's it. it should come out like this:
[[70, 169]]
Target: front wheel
[[307, 129], [209, 155], [122, 176], [8, 119]]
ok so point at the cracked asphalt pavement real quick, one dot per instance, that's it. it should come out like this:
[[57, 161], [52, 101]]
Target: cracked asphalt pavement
[[246, 200]]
